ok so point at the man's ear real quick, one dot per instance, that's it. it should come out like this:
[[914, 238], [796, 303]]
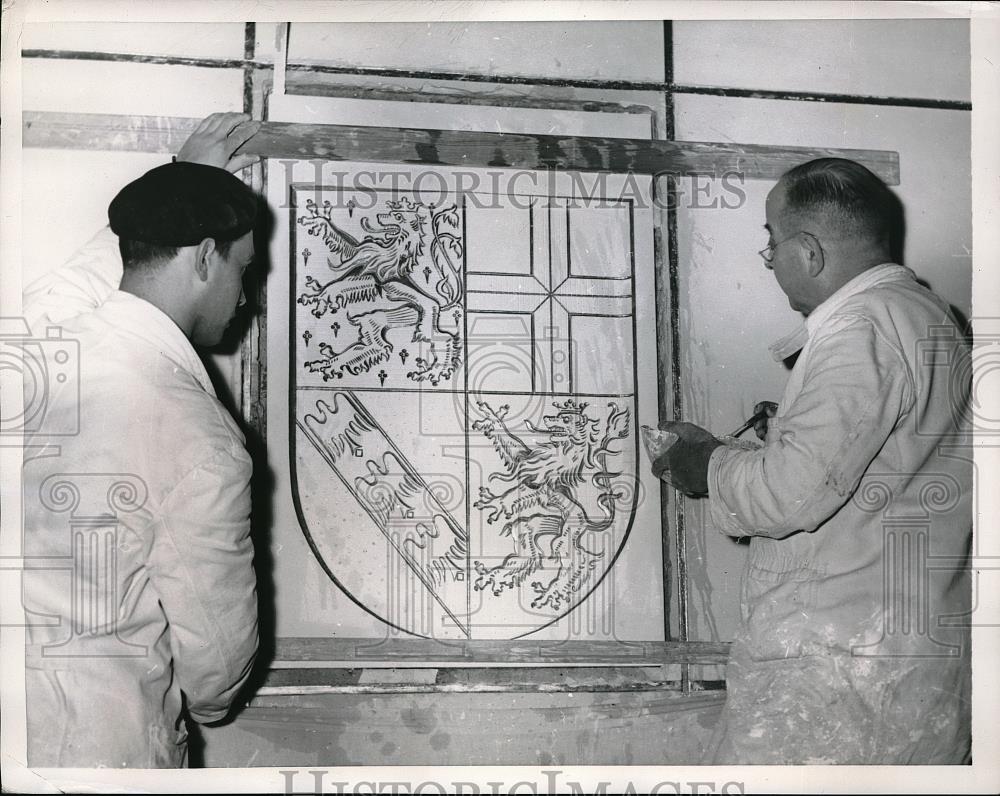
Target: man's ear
[[202, 252], [813, 253]]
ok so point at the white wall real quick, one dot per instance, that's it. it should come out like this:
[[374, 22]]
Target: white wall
[[588, 50], [191, 39], [876, 57]]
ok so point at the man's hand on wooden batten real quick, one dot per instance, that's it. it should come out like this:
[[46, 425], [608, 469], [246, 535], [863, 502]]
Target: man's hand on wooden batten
[[685, 463], [216, 139]]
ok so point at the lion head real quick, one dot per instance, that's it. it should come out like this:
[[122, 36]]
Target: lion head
[[390, 249], [569, 428], [402, 228]]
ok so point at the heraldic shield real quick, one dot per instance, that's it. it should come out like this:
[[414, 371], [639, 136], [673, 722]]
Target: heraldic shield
[[464, 388]]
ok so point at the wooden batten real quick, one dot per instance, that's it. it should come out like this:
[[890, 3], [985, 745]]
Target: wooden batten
[[359, 651], [448, 148], [303, 680]]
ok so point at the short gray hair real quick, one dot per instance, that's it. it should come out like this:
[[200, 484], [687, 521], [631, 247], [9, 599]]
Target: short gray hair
[[856, 198]]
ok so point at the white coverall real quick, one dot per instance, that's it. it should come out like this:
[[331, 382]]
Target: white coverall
[[142, 593], [853, 645]]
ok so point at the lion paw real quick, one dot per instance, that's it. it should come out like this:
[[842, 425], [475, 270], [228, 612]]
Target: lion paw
[[497, 579], [547, 596]]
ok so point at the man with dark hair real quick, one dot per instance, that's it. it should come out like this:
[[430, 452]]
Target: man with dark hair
[[150, 499], [853, 645]]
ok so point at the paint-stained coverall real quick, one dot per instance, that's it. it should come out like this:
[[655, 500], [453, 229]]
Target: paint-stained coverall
[[853, 645], [131, 616]]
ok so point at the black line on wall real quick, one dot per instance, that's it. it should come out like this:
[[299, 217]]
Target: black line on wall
[[471, 77], [830, 97], [668, 79], [673, 292], [138, 58], [668, 87], [637, 85], [464, 96], [249, 51], [664, 349]]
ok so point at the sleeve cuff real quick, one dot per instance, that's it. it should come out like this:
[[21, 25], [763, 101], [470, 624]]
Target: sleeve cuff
[[719, 514]]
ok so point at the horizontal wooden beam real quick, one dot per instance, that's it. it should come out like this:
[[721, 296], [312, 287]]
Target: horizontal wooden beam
[[464, 688], [453, 148], [313, 85], [309, 705], [102, 131], [358, 651], [470, 680]]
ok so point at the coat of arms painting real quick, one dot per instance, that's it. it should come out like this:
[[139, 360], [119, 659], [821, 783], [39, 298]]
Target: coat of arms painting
[[465, 373]]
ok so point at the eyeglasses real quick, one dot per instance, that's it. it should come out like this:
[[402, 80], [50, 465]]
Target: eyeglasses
[[768, 251]]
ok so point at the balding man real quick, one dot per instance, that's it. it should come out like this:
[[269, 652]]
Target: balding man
[[147, 609], [853, 645]]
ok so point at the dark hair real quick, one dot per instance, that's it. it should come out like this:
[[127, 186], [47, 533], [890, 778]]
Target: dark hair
[[857, 199], [136, 254]]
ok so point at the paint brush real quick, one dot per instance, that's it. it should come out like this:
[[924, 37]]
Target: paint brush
[[761, 415]]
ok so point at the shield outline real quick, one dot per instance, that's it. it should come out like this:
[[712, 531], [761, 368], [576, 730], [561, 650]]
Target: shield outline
[[632, 400]]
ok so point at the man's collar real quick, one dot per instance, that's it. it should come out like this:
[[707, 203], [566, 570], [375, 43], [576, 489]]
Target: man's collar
[[786, 346], [149, 323]]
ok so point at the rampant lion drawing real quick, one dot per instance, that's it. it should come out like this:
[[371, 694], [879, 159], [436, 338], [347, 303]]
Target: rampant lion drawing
[[539, 499], [409, 267]]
